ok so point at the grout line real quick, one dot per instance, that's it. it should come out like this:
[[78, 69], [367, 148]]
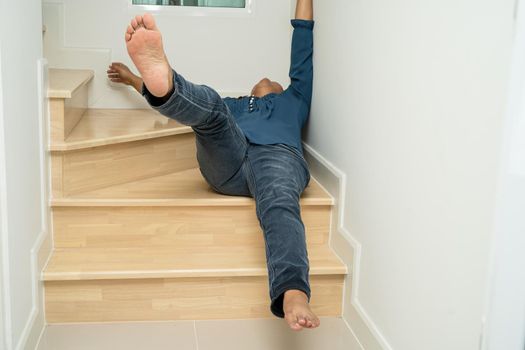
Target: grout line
[[352, 331], [39, 341], [195, 334]]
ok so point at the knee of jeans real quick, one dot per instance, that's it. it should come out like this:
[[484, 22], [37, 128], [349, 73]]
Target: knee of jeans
[[274, 199], [285, 189]]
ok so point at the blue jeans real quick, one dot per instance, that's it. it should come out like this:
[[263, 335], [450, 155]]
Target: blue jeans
[[274, 175]]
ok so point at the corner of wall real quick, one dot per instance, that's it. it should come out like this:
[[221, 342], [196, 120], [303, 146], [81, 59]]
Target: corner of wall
[[43, 246], [348, 249]]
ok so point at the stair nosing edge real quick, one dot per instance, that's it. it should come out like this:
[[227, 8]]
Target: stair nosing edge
[[115, 140], [235, 202], [160, 274], [60, 95]]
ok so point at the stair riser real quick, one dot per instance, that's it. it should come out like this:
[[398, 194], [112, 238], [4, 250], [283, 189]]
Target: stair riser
[[177, 299], [66, 113], [89, 169], [104, 227]]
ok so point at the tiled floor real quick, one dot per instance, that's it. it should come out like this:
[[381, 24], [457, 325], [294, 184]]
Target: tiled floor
[[253, 334]]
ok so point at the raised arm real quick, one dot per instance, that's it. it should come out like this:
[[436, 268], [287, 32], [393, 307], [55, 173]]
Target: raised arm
[[301, 65], [304, 10]]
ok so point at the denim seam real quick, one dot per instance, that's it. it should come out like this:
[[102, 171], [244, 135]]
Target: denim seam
[[205, 102], [295, 153], [236, 130], [182, 92], [195, 104], [201, 108], [272, 269]]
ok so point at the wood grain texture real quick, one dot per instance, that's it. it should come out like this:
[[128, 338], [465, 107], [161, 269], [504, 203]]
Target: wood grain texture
[[128, 227], [75, 107], [57, 110], [66, 114], [177, 299], [99, 127], [64, 82], [184, 188], [94, 168], [139, 235], [155, 262], [57, 184]]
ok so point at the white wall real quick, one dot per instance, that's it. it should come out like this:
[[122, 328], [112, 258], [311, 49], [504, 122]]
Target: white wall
[[409, 100], [505, 326], [21, 176], [3, 340], [228, 52]]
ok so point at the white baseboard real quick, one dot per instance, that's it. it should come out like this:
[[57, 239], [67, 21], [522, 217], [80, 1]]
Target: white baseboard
[[42, 248], [34, 326], [345, 245]]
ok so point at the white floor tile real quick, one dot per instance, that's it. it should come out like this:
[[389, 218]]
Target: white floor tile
[[248, 334], [177, 335], [273, 334]]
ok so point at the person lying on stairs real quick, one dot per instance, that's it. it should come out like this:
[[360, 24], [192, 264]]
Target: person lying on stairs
[[247, 146]]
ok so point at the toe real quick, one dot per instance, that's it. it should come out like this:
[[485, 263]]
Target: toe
[[134, 23], [293, 323], [296, 326], [128, 37], [138, 19], [149, 22], [130, 30]]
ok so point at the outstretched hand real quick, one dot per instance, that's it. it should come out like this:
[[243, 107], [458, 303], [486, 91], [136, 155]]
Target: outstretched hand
[[120, 73]]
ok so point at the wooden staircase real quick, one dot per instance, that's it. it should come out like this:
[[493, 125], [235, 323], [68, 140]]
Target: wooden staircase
[[138, 234]]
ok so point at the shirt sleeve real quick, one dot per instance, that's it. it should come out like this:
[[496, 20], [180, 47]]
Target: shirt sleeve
[[301, 66]]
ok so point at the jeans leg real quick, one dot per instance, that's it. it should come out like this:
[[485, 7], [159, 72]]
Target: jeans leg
[[277, 177], [221, 144]]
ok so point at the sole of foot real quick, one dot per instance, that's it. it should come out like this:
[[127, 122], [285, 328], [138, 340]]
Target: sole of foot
[[297, 312], [144, 44]]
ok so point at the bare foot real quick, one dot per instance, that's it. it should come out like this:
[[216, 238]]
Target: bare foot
[[144, 43], [297, 311]]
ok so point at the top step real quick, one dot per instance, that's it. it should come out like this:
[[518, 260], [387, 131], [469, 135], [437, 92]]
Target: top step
[[101, 127], [64, 82]]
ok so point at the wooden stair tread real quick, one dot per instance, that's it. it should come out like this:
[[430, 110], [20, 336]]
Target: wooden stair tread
[[100, 127], [64, 82], [185, 188], [163, 262]]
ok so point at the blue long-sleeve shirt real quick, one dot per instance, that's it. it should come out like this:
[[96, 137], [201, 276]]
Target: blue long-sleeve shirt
[[279, 118]]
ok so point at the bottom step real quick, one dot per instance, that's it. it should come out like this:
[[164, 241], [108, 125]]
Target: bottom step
[[160, 299]]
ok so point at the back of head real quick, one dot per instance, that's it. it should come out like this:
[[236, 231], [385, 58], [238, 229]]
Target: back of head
[[265, 87]]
